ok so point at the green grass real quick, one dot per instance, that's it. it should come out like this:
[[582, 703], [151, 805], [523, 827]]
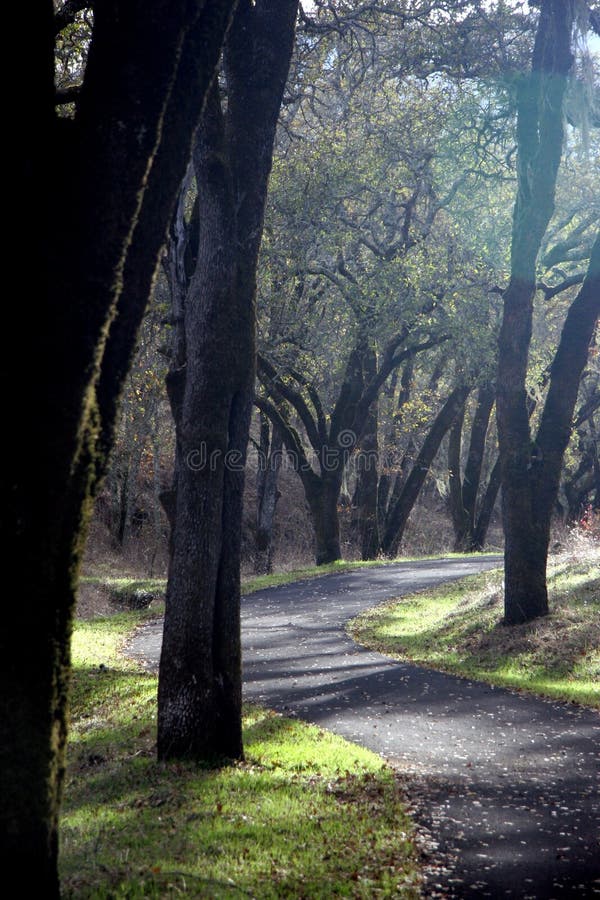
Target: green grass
[[457, 628], [306, 815], [258, 582]]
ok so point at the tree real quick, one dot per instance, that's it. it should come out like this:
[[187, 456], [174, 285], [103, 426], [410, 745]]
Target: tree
[[332, 438], [130, 498], [399, 510], [531, 468], [269, 458], [211, 388], [101, 187], [360, 181], [463, 491], [582, 478]]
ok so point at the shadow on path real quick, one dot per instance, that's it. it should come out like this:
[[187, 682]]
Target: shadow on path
[[506, 785]]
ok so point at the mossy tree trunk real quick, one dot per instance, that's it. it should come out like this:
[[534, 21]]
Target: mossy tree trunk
[[102, 186]]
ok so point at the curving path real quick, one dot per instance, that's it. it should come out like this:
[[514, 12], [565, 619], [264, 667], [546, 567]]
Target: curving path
[[507, 785]]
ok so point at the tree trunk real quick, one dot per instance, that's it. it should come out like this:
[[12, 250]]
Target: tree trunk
[[366, 492], [267, 495], [486, 507], [364, 501], [525, 589], [464, 491], [323, 496], [555, 426], [539, 139], [99, 172], [386, 480], [486, 398], [458, 513], [199, 696], [398, 515], [196, 687]]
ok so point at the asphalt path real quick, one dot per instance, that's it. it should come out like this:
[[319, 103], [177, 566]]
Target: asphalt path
[[505, 786]]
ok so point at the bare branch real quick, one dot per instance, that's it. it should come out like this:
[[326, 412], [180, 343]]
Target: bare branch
[[275, 386], [551, 291], [291, 437]]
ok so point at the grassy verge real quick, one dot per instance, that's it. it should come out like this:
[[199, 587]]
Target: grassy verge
[[258, 582], [306, 815], [457, 628], [137, 593]]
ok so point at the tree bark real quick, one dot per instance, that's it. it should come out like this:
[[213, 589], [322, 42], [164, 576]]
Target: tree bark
[[539, 140], [199, 696], [267, 494], [458, 513], [486, 398], [365, 496], [364, 501], [323, 496], [486, 507], [95, 174], [195, 684], [555, 426], [387, 480], [464, 491]]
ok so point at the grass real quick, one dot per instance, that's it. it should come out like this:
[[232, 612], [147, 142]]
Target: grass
[[306, 815], [134, 592], [259, 582], [457, 628]]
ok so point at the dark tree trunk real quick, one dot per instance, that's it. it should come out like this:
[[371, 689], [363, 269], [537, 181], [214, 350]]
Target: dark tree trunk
[[364, 501], [586, 477], [332, 445], [392, 485], [486, 398], [123, 504], [98, 174], [555, 426], [458, 513], [539, 139], [391, 438], [196, 684], [366, 492], [486, 507], [323, 497], [399, 513], [464, 491], [199, 696], [528, 568], [267, 494]]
